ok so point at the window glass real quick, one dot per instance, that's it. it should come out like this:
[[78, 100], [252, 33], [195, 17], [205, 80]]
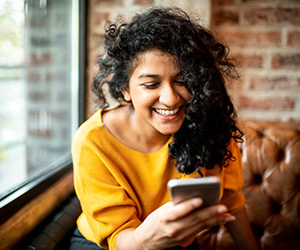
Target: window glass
[[38, 82]]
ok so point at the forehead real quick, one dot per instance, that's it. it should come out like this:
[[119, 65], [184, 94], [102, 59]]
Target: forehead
[[155, 60]]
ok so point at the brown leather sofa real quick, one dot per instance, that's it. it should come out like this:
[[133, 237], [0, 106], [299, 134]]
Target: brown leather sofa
[[271, 169]]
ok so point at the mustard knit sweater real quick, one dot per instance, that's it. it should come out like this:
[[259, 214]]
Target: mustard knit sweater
[[119, 187]]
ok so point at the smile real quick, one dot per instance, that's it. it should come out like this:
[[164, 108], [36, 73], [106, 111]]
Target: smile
[[167, 112]]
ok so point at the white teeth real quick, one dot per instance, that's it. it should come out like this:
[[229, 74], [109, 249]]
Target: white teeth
[[167, 112]]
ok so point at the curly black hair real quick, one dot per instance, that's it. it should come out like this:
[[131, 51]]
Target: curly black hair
[[203, 139]]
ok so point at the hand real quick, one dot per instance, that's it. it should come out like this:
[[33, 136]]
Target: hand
[[171, 225]]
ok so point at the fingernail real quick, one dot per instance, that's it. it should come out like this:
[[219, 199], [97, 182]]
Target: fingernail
[[231, 218], [198, 202], [222, 209]]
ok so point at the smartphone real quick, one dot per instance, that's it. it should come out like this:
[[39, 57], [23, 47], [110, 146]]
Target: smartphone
[[207, 188]]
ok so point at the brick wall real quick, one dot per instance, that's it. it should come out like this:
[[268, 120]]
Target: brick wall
[[264, 37]]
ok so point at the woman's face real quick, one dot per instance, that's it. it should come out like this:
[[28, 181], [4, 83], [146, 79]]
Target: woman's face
[[157, 93]]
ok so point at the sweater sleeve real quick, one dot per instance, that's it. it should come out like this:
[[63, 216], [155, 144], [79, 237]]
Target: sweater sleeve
[[233, 181], [106, 207]]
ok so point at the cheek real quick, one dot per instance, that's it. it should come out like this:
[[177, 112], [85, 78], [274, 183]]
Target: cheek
[[144, 98], [185, 95], [143, 101]]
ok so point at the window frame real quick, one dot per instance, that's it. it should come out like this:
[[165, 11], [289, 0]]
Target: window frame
[[22, 194]]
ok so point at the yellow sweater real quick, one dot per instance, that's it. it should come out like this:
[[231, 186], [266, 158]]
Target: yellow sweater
[[119, 187]]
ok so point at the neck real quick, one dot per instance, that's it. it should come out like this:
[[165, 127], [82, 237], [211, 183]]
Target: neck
[[142, 139], [148, 140]]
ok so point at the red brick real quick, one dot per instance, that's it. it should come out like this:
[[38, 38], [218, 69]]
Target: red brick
[[33, 77], [111, 3], [255, 1], [41, 133], [278, 82], [221, 2], [248, 60], [259, 16], [222, 16], [245, 38], [235, 83], [144, 2], [271, 16], [269, 1], [288, 15], [38, 60], [267, 103], [99, 19], [96, 41], [294, 39], [291, 61], [38, 97], [57, 76]]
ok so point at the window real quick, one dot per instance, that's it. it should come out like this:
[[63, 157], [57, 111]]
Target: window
[[40, 72]]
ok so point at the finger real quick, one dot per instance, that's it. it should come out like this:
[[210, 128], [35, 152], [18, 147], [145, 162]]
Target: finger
[[183, 208], [210, 212], [218, 220], [210, 216], [195, 228], [213, 216]]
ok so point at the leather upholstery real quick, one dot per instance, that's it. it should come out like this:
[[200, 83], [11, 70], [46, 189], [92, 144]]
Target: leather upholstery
[[271, 169]]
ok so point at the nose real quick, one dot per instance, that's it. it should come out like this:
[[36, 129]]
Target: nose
[[169, 95]]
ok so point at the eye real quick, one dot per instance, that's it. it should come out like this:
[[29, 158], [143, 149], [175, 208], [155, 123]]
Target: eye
[[179, 82], [151, 86]]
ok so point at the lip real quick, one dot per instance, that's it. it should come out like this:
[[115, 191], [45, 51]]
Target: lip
[[170, 117]]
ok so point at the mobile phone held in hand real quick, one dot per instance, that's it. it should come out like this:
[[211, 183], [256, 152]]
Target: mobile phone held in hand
[[207, 188]]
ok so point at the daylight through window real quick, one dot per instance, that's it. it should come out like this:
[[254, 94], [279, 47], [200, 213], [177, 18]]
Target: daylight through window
[[38, 69]]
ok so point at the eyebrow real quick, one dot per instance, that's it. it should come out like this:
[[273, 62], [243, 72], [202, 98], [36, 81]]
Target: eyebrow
[[180, 73], [148, 76]]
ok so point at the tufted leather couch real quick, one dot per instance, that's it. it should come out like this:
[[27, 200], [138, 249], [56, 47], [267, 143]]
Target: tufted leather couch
[[271, 169]]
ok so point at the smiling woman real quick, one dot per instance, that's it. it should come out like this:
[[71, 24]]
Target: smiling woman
[[174, 120]]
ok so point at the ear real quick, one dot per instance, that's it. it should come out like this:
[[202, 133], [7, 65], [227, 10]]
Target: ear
[[127, 96]]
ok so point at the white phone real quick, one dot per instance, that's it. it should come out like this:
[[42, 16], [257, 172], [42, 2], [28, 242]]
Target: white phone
[[207, 188]]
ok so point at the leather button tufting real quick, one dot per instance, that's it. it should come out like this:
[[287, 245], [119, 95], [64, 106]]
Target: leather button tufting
[[281, 155], [257, 179], [262, 133], [276, 208]]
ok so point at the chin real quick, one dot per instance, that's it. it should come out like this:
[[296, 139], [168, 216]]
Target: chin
[[168, 131]]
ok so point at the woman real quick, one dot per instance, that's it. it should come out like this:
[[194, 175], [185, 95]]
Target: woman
[[175, 120]]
